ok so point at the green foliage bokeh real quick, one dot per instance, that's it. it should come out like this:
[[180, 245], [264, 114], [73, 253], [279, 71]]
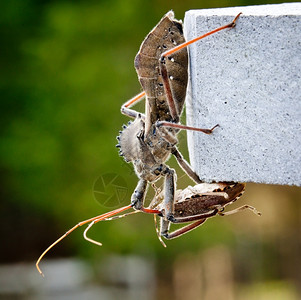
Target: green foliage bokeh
[[66, 68]]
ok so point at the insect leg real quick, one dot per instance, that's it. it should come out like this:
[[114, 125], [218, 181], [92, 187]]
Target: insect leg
[[185, 166], [125, 108], [180, 126], [164, 72], [165, 227], [171, 103], [234, 211], [169, 193], [199, 219], [178, 220], [138, 197], [181, 46]]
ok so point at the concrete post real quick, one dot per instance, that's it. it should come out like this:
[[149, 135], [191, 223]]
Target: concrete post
[[247, 79]]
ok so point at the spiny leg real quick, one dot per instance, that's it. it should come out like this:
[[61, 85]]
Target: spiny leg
[[168, 53], [125, 108]]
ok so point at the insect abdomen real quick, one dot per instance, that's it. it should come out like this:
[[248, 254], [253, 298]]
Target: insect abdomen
[[166, 35]]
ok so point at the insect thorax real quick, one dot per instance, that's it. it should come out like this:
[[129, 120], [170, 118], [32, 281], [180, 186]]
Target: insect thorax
[[147, 153]]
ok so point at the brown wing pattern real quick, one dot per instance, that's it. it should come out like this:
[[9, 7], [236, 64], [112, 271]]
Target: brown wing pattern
[[166, 35]]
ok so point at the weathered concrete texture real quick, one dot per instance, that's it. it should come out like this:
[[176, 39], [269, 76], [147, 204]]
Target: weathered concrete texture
[[247, 79]]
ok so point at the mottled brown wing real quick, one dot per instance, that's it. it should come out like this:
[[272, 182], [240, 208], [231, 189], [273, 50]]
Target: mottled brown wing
[[200, 204], [166, 35]]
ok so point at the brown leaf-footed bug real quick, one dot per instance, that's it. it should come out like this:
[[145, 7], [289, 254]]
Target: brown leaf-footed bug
[[194, 204], [198, 203], [147, 142]]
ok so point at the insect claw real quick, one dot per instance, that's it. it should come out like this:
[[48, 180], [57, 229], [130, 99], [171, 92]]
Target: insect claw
[[217, 125]]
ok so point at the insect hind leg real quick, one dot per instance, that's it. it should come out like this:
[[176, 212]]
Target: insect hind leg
[[234, 211], [164, 229], [185, 127]]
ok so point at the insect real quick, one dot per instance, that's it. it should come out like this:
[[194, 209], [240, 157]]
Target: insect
[[148, 141], [194, 205], [198, 203]]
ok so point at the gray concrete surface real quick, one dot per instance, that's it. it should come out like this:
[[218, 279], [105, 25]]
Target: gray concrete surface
[[247, 79]]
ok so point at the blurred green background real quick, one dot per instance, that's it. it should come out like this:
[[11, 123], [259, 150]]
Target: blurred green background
[[66, 67]]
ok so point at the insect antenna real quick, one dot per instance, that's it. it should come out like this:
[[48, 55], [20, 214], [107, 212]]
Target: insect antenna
[[91, 220]]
